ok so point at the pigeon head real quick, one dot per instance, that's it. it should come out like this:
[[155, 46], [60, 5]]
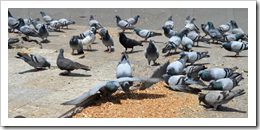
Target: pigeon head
[[61, 52], [121, 34], [117, 18], [170, 17], [234, 24], [91, 17], [48, 64], [205, 75], [137, 16], [201, 98], [137, 30], [215, 85], [227, 45], [165, 29], [171, 71], [192, 20], [189, 46], [21, 21], [42, 13], [166, 78], [126, 86], [151, 43], [188, 17], [203, 25], [210, 24], [112, 86]]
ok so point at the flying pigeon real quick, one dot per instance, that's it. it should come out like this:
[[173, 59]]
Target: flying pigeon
[[146, 33], [186, 43], [235, 46], [168, 32], [127, 42], [89, 39], [192, 71], [176, 67], [205, 29], [69, 65], [76, 44], [174, 42], [217, 98], [46, 17], [107, 88], [123, 24], [195, 56], [169, 23], [35, 61], [151, 52], [192, 26], [216, 73], [107, 40], [214, 33], [124, 70], [93, 21], [133, 20], [65, 22], [225, 83], [180, 83], [224, 28], [187, 19]]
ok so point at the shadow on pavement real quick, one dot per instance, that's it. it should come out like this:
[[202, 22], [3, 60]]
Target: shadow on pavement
[[32, 70]]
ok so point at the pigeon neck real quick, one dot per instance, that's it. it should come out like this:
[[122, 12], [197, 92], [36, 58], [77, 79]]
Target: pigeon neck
[[61, 55], [211, 26], [111, 87], [227, 46], [234, 25], [43, 14], [118, 19], [91, 17], [217, 86], [170, 18], [166, 30], [136, 17]]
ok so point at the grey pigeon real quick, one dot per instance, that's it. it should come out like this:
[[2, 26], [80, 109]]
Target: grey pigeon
[[76, 44], [36, 25], [180, 83], [151, 52], [133, 20], [89, 39], [186, 43], [217, 98], [44, 32], [225, 83], [195, 56], [107, 88], [169, 23], [12, 22], [176, 67], [168, 32], [236, 29], [55, 25], [224, 28], [146, 33], [192, 26], [46, 17], [205, 29], [69, 65], [65, 22], [127, 42], [27, 30], [107, 41], [187, 19], [124, 70], [234, 37], [35, 61], [192, 71], [93, 21], [216, 73], [174, 42], [12, 40], [235, 46], [214, 33], [123, 24], [86, 33], [195, 37], [28, 21]]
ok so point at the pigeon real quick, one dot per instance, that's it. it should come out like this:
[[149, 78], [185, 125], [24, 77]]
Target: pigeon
[[55, 24], [36, 25], [107, 41], [192, 26], [123, 24], [194, 56], [27, 30], [235, 46], [45, 17], [195, 37], [28, 21], [146, 33], [69, 65], [217, 98], [192, 71], [225, 83], [76, 44], [186, 43], [216, 73], [133, 20], [224, 28], [35, 61], [205, 29], [107, 88], [127, 42], [12, 22], [124, 70], [86, 33], [174, 42], [12, 40], [92, 21], [168, 32], [187, 19], [236, 29], [169, 23], [65, 22], [43, 31], [176, 67], [234, 37], [151, 52], [89, 39], [214, 33], [180, 83]]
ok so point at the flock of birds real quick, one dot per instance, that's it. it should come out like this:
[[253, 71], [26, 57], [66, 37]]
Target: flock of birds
[[221, 80]]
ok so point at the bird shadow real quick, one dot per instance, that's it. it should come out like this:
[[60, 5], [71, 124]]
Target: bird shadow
[[53, 35], [74, 75], [170, 54], [69, 29], [112, 50], [129, 52], [58, 31], [234, 56], [198, 64], [201, 46], [45, 41], [76, 54], [128, 32], [92, 50], [195, 92], [32, 70], [224, 109]]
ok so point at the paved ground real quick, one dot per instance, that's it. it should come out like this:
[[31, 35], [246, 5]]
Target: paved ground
[[39, 94]]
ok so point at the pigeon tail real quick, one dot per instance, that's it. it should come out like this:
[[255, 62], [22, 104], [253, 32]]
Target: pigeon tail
[[156, 34]]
